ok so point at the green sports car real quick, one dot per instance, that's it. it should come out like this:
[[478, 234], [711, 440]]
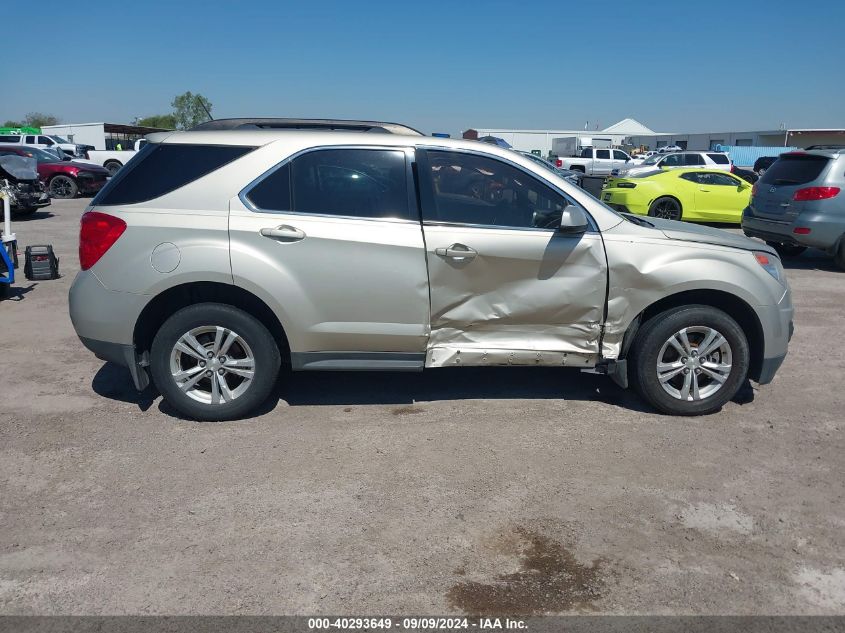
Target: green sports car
[[699, 195]]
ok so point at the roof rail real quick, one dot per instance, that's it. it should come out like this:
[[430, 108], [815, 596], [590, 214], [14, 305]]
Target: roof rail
[[826, 147], [307, 124]]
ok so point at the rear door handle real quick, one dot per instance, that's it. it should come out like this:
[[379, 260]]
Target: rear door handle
[[284, 233], [456, 251]]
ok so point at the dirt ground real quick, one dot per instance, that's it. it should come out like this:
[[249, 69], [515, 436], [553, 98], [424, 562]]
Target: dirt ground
[[466, 490]]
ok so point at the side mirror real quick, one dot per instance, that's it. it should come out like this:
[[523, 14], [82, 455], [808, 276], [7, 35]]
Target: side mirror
[[573, 220]]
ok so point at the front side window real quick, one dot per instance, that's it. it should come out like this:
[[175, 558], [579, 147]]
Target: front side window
[[44, 140], [603, 153], [619, 155], [692, 177], [464, 188], [720, 180], [673, 160]]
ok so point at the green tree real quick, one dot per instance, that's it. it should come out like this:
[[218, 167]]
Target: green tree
[[39, 119], [188, 110], [165, 121], [12, 124]]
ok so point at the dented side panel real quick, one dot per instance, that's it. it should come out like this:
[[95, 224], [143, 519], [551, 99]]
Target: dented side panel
[[526, 297]]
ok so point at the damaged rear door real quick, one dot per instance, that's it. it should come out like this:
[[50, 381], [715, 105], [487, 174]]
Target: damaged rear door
[[506, 286]]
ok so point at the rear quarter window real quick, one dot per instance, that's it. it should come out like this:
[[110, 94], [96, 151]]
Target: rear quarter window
[[795, 169], [10, 139], [719, 159], [159, 169]]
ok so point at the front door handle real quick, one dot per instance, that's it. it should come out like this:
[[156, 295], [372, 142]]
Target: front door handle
[[456, 251], [284, 233]]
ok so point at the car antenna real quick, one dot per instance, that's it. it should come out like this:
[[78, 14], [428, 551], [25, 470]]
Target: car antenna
[[202, 103]]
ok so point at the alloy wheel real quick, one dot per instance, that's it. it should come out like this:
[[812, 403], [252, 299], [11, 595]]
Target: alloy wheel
[[694, 363], [667, 209], [212, 364]]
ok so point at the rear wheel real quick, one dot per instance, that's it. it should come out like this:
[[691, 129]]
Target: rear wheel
[[666, 208], [63, 187], [690, 360], [214, 362], [787, 250], [113, 166], [839, 255]]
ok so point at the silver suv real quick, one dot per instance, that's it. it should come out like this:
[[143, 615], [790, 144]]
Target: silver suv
[[799, 202], [215, 256]]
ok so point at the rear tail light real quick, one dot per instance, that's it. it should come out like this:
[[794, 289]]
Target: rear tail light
[[815, 193], [801, 230], [558, 162], [97, 233]]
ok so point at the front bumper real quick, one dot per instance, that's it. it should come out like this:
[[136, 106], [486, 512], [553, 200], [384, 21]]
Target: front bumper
[[90, 185], [778, 327]]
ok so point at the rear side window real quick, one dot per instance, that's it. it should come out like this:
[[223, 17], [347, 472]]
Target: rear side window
[[363, 183], [794, 169], [602, 153], [719, 159], [10, 139], [272, 193], [693, 159], [160, 169]]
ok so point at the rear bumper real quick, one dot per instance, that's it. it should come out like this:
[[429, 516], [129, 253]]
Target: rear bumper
[[826, 229]]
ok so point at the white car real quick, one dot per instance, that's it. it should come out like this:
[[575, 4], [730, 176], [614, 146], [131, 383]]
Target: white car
[[113, 160], [674, 160]]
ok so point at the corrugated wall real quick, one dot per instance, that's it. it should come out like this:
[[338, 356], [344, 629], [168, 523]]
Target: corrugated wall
[[745, 155]]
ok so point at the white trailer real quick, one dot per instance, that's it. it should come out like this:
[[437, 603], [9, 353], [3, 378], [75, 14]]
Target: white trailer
[[573, 145]]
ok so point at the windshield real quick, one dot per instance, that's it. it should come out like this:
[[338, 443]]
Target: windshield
[[58, 139]]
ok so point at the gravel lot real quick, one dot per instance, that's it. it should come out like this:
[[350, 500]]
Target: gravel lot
[[530, 490]]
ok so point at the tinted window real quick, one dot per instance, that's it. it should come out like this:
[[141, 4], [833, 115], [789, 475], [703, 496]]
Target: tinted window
[[160, 169], [693, 177], [273, 192], [719, 159], [619, 155], [43, 140], [693, 159], [472, 189], [587, 152], [9, 139], [721, 180], [794, 169], [602, 153], [365, 183], [30, 140], [673, 160]]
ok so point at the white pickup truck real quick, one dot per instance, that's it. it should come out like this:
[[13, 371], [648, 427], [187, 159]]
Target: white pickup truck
[[113, 160], [595, 162]]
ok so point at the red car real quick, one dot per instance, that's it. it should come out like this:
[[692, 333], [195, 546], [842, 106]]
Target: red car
[[63, 178]]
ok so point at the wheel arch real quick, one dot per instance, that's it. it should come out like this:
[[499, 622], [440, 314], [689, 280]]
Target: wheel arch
[[156, 312], [666, 195], [734, 306]]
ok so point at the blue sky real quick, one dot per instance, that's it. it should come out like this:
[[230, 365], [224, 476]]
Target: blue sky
[[446, 66]]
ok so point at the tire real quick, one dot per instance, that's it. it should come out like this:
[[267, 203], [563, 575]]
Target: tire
[[787, 250], [62, 187], [578, 168], [254, 346], [730, 360], [839, 254], [667, 208], [112, 166]]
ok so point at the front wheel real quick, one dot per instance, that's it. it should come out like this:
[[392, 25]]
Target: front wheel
[[214, 362], [63, 187], [690, 360], [666, 208]]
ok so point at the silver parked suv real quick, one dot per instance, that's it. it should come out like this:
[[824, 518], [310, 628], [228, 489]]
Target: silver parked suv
[[799, 202], [218, 254]]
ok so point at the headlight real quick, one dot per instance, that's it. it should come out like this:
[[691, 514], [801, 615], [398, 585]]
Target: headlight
[[771, 264]]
